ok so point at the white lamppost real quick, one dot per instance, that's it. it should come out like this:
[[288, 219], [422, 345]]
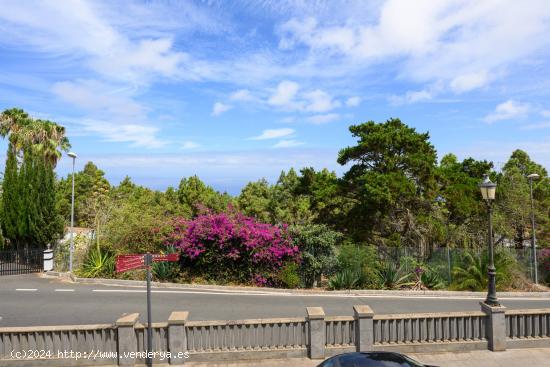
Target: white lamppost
[[71, 248], [531, 177]]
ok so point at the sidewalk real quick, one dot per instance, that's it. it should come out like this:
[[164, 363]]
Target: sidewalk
[[510, 358]]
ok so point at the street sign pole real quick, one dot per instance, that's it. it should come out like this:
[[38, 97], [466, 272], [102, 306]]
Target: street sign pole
[[139, 261], [148, 264]]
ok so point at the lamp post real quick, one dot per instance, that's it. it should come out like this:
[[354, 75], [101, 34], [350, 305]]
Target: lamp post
[[71, 248], [488, 190], [531, 177]]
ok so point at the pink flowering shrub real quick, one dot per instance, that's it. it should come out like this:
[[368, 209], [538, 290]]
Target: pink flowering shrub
[[233, 247]]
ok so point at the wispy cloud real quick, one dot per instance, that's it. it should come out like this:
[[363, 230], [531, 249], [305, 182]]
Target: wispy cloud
[[353, 101], [220, 108], [273, 134], [189, 144], [508, 110], [287, 144], [284, 95], [323, 119], [135, 135]]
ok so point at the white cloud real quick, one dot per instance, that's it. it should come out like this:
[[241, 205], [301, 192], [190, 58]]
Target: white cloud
[[136, 135], [412, 97], [284, 94], [323, 119], [545, 113], [97, 97], [287, 144], [81, 30], [111, 112], [274, 134], [188, 144], [468, 82], [458, 42], [508, 110], [220, 108], [537, 126], [423, 95], [319, 101], [242, 95], [353, 101]]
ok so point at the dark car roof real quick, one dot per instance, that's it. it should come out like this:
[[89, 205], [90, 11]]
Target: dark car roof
[[376, 355]]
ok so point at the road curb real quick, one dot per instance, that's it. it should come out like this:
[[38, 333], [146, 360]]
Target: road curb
[[313, 292]]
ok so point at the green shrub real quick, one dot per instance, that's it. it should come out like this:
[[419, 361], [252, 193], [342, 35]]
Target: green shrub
[[432, 280], [391, 276], [98, 263], [362, 260], [164, 270], [289, 275], [317, 247], [345, 279], [471, 272]]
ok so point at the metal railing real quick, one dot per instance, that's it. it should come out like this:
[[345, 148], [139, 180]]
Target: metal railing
[[15, 262]]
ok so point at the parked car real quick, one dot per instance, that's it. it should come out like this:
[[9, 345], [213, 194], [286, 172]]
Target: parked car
[[371, 359]]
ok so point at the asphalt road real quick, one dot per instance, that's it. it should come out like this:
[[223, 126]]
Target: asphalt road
[[31, 300]]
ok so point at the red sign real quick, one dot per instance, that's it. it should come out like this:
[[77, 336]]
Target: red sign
[[137, 261], [166, 257], [129, 262]]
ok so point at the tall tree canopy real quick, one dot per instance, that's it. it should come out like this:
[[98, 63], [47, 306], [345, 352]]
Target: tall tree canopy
[[392, 175]]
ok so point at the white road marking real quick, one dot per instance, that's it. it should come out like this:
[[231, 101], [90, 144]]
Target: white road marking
[[64, 290], [26, 289]]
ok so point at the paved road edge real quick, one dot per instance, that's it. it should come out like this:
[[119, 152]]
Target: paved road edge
[[368, 292]]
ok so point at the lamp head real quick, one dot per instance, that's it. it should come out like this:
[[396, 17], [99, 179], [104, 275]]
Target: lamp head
[[72, 155], [533, 176], [488, 189]]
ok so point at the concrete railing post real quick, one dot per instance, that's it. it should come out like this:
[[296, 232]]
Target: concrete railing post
[[317, 332], [496, 326], [177, 337], [364, 332], [127, 341]]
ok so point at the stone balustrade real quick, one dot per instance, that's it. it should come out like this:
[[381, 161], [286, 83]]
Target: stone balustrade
[[316, 336]]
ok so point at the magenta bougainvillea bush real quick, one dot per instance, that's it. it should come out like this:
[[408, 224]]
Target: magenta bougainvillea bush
[[233, 247]]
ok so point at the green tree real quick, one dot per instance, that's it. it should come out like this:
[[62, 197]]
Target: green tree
[[317, 244], [87, 184], [29, 205], [255, 200], [194, 195], [392, 177]]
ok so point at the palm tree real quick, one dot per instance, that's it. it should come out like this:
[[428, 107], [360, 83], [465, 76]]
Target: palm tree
[[42, 136], [14, 123]]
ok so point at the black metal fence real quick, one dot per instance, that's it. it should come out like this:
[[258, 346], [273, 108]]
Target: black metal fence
[[14, 262], [443, 260]]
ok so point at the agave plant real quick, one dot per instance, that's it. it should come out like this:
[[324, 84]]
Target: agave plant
[[166, 270], [391, 276], [345, 279], [97, 263]]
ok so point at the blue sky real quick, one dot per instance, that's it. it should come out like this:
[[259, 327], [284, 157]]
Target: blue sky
[[238, 90]]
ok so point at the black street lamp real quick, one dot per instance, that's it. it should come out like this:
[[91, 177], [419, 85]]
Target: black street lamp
[[488, 190], [531, 177]]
